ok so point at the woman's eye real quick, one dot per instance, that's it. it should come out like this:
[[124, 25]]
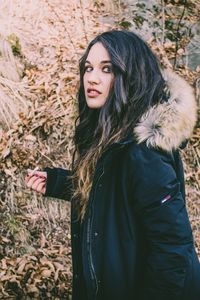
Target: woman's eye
[[88, 69], [107, 69]]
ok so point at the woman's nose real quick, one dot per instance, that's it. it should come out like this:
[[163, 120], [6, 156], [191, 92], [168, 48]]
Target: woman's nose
[[94, 77]]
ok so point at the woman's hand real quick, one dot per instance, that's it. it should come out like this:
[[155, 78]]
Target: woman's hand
[[36, 180]]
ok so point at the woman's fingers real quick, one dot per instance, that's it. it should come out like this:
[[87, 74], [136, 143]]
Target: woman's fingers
[[30, 181], [36, 183], [38, 173], [36, 180], [41, 188], [39, 185]]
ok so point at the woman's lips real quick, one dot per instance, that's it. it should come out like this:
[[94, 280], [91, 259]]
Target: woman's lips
[[92, 93]]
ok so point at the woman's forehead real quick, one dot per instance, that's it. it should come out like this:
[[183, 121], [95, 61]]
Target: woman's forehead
[[98, 54]]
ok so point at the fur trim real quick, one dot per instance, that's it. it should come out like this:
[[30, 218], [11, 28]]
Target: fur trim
[[169, 124]]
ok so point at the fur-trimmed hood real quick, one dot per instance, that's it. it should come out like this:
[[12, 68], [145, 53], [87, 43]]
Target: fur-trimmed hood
[[169, 124]]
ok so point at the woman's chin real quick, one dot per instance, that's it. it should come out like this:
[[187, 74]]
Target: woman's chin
[[94, 103]]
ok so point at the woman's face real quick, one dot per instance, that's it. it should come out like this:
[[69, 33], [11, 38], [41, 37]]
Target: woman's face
[[98, 76]]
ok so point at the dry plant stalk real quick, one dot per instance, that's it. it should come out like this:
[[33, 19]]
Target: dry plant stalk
[[12, 91]]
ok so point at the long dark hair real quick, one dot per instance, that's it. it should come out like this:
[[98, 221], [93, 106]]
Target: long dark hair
[[138, 85]]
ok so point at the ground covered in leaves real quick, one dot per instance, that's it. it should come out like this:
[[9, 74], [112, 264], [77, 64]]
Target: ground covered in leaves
[[40, 44]]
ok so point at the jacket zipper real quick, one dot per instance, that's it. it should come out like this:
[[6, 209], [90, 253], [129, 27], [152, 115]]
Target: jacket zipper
[[89, 237]]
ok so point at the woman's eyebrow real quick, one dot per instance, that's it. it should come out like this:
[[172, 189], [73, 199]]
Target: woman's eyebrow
[[102, 62]]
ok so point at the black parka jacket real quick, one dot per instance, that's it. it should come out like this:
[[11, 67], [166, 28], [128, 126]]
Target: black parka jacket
[[135, 241]]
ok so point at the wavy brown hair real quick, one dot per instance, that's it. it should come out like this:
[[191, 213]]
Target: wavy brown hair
[[138, 85]]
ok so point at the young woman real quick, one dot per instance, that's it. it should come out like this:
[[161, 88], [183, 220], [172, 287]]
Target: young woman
[[131, 236]]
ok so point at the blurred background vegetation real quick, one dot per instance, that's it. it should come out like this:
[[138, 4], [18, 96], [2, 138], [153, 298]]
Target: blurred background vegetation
[[40, 44]]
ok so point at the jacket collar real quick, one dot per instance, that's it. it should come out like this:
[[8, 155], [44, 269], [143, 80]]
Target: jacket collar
[[168, 125]]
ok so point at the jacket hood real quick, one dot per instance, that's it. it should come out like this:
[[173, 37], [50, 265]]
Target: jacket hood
[[169, 124]]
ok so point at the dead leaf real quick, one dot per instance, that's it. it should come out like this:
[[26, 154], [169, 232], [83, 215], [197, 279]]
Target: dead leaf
[[46, 273]]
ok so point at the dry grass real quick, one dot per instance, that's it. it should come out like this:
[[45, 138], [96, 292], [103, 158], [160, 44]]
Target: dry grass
[[14, 93]]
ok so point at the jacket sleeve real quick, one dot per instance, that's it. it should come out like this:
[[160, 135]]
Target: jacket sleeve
[[59, 183], [164, 219]]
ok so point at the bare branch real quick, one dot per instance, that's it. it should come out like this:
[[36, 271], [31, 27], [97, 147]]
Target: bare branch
[[177, 32]]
